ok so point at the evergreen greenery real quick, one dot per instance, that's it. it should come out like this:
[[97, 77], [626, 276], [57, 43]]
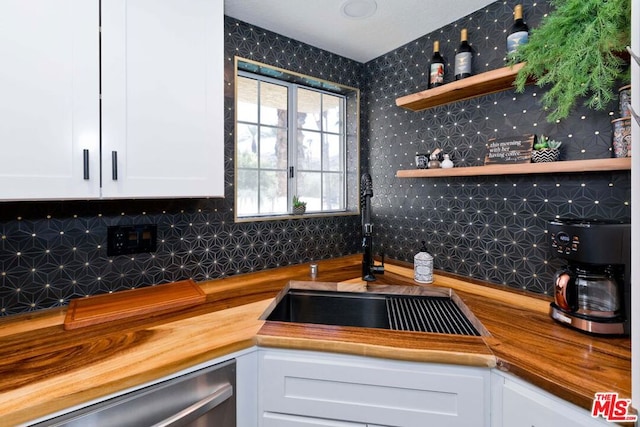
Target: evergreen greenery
[[574, 52]]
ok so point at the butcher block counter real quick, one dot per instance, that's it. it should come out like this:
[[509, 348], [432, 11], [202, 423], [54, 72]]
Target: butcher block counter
[[45, 368]]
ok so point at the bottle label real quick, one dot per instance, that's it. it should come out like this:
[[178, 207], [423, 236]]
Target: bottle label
[[463, 63], [516, 39], [436, 76]]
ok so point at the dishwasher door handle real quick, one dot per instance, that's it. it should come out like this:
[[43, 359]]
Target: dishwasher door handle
[[199, 408]]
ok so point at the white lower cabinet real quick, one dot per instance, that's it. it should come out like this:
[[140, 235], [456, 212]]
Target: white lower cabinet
[[517, 403], [271, 419], [300, 388]]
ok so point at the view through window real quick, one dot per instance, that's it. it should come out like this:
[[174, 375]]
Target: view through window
[[290, 141]]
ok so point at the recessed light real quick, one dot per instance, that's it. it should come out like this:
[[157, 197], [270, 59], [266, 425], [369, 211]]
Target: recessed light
[[358, 9]]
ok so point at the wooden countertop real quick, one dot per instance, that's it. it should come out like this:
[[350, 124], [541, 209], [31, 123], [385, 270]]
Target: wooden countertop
[[45, 369]]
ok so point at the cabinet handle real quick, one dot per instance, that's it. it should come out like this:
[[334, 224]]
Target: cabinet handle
[[194, 411], [85, 161], [114, 165]]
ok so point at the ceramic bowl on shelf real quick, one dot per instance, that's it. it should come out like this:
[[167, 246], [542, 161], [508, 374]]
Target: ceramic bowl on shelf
[[545, 155]]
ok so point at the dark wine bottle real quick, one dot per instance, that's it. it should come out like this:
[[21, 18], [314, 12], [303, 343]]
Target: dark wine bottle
[[436, 71], [519, 34], [463, 57]]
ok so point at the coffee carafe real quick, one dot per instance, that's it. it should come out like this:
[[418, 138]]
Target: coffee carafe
[[592, 291]]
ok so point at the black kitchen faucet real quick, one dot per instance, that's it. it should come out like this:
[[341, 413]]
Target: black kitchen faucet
[[368, 266]]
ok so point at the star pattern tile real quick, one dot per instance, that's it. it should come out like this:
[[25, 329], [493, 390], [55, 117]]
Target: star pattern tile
[[489, 228]]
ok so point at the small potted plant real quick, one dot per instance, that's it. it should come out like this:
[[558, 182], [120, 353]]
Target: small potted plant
[[299, 207], [545, 150]]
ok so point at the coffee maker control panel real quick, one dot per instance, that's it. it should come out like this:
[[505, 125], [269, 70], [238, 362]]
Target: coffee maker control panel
[[564, 243], [590, 242]]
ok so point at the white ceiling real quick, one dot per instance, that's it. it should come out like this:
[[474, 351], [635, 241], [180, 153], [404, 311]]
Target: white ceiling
[[322, 24]]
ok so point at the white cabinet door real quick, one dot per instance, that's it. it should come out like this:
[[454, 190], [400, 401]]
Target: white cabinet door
[[162, 98], [371, 391], [519, 404], [49, 99]]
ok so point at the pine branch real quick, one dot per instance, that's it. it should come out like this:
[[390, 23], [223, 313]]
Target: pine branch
[[573, 52]]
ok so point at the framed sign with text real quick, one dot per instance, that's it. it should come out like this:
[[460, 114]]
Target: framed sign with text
[[513, 149]]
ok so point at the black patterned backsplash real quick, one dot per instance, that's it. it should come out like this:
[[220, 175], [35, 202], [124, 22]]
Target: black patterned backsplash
[[51, 252], [490, 228]]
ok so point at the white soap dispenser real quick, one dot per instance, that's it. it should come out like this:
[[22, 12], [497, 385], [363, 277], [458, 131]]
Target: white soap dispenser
[[423, 266]]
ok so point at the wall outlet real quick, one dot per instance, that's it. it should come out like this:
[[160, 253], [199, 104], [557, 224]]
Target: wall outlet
[[131, 239]]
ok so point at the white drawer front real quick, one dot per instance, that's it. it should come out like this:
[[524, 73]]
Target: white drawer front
[[270, 419], [369, 390]]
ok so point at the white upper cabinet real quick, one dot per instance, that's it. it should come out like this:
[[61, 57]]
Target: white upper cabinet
[[162, 98], [49, 99], [159, 67]]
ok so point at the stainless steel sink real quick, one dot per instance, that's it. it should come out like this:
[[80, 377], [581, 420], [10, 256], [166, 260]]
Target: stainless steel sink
[[420, 313]]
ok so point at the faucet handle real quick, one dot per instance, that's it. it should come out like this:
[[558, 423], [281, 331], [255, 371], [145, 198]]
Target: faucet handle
[[378, 269]]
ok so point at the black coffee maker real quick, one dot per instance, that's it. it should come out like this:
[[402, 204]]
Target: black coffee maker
[[592, 292]]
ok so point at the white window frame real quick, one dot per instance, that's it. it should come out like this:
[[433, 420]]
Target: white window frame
[[348, 206]]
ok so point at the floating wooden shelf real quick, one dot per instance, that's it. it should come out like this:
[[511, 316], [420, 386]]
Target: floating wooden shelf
[[471, 87], [593, 165]]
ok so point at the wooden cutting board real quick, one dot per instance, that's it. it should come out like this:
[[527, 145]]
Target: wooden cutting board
[[130, 303]]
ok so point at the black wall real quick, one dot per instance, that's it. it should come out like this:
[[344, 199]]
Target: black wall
[[490, 228]]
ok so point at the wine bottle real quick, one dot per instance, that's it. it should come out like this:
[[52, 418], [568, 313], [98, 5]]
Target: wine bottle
[[519, 34], [463, 57], [436, 72]]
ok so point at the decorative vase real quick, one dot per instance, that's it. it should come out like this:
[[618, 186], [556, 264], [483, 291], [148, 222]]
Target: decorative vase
[[624, 101], [299, 210], [621, 143], [545, 155], [446, 163]]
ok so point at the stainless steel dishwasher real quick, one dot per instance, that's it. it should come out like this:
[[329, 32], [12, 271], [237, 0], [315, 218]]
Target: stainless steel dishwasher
[[202, 398]]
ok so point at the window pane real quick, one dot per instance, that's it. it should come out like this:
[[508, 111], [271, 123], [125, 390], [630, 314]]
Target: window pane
[[273, 148], [332, 113], [247, 192], [247, 146], [309, 150], [273, 104], [267, 144], [332, 153], [247, 102], [273, 194], [310, 189], [309, 109], [333, 197]]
